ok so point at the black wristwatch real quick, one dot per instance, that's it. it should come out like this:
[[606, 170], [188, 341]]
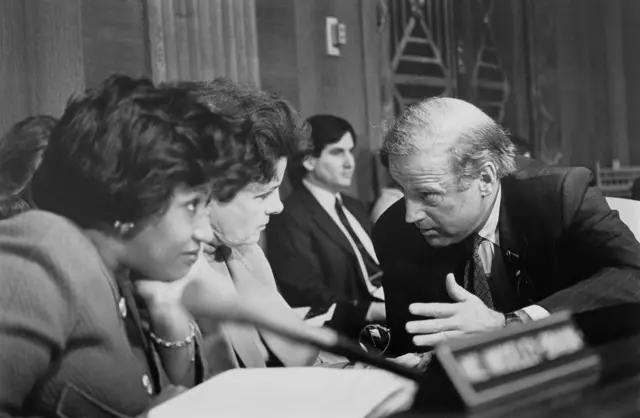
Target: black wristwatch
[[511, 318]]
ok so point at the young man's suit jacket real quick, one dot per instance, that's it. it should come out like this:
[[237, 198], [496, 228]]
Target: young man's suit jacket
[[313, 262]]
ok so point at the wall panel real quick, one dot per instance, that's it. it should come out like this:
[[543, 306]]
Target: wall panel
[[14, 82], [277, 47], [114, 39], [54, 53], [507, 25], [571, 93], [631, 60], [202, 39]]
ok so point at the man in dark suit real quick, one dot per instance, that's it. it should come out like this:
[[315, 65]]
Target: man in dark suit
[[635, 189], [484, 239], [319, 247]]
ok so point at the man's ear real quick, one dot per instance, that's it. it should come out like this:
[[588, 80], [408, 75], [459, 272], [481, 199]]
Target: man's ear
[[488, 179], [309, 163]]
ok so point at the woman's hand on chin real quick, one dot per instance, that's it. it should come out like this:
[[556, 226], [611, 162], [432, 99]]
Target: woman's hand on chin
[[209, 291], [163, 299]]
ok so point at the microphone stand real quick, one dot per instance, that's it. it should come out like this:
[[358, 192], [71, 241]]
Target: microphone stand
[[344, 347], [254, 311]]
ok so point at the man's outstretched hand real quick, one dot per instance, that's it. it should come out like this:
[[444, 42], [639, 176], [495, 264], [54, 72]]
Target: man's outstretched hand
[[467, 315]]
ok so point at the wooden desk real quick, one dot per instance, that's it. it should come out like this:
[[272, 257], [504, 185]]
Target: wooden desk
[[616, 394]]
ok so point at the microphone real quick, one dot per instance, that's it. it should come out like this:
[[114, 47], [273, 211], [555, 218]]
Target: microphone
[[202, 298]]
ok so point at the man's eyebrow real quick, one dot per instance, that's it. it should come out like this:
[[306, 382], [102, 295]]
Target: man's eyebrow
[[428, 189]]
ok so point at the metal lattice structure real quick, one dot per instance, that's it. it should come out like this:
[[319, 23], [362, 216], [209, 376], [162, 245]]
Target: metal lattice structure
[[421, 48], [426, 55], [489, 81]]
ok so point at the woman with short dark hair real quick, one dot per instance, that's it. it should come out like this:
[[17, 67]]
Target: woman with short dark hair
[[276, 129], [21, 150], [234, 261], [91, 322]]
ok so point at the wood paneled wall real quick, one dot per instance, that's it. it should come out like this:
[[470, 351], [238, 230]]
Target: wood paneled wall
[[631, 63], [585, 80], [203, 39], [278, 47], [41, 62], [54, 53], [572, 65], [510, 36], [14, 82], [114, 39], [52, 49], [378, 77]]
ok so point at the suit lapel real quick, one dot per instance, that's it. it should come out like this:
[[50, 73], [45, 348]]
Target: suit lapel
[[510, 240], [325, 222], [514, 243]]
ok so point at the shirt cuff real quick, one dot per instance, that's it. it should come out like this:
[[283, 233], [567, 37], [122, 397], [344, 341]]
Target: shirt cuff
[[536, 312]]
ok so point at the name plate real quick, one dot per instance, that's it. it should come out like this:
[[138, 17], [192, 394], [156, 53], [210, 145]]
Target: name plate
[[511, 364]]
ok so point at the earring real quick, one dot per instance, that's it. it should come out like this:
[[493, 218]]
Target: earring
[[123, 228]]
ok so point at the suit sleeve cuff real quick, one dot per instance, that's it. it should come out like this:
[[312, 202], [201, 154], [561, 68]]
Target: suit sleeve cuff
[[536, 312]]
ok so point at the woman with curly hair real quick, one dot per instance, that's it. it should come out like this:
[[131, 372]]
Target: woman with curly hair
[[238, 214], [91, 321]]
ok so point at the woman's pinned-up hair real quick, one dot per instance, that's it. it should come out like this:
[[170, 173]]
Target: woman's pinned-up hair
[[21, 150], [276, 130], [121, 149]]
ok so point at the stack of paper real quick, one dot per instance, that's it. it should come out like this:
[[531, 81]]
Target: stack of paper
[[293, 392]]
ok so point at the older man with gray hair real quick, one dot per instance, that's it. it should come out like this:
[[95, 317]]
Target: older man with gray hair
[[484, 239]]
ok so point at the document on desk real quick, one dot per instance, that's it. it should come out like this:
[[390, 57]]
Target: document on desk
[[293, 392]]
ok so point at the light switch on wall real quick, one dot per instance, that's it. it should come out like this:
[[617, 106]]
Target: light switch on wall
[[336, 34], [332, 35]]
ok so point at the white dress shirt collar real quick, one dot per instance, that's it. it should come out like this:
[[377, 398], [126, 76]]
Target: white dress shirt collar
[[326, 198]]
